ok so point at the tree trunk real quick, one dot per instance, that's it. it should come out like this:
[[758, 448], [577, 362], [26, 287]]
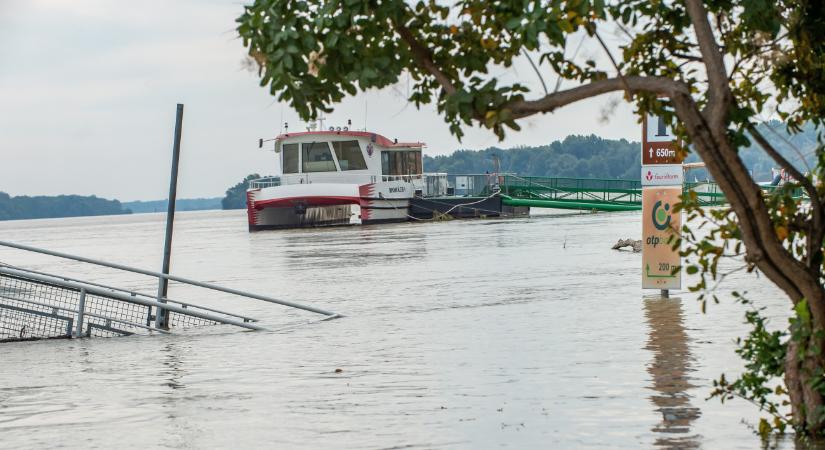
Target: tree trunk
[[803, 370], [800, 375]]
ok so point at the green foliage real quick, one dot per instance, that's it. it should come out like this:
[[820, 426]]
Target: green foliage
[[313, 53], [236, 195], [764, 354], [43, 207]]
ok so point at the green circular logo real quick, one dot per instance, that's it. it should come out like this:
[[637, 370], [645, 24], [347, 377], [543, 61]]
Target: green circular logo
[[661, 215]]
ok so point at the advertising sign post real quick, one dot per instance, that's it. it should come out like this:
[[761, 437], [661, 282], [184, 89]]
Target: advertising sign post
[[662, 180], [660, 227]]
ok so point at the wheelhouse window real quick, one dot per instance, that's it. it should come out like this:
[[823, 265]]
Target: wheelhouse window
[[349, 155], [401, 162], [317, 157], [290, 155]]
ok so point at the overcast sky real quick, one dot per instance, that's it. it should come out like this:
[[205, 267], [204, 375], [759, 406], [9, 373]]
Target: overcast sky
[[88, 91]]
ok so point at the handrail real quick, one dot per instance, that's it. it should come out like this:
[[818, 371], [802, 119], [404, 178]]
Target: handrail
[[85, 313], [611, 180], [94, 290], [265, 182], [167, 299], [407, 178], [160, 275]]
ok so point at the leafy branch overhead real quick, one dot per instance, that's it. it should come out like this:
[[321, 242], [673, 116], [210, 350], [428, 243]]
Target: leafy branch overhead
[[313, 53], [716, 69]]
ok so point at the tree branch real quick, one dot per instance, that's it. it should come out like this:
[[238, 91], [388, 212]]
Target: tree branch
[[792, 146], [628, 91], [535, 69], [816, 231], [782, 161], [719, 95], [576, 52], [687, 57], [763, 247], [425, 59], [548, 103]]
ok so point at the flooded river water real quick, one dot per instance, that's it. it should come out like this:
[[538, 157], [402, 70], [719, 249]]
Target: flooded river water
[[528, 333]]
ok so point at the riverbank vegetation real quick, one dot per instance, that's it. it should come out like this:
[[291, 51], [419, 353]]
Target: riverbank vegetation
[[596, 157], [50, 207], [235, 197], [182, 204], [42, 207]]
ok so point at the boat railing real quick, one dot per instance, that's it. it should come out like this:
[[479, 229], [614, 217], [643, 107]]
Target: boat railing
[[324, 177], [265, 182], [407, 178], [472, 184]]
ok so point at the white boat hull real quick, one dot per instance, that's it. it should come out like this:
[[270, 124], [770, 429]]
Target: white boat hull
[[325, 204]]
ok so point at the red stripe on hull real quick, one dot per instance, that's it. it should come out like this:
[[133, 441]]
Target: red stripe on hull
[[251, 212], [308, 201], [366, 191]]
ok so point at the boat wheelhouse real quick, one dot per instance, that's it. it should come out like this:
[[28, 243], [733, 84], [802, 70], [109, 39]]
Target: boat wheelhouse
[[336, 178]]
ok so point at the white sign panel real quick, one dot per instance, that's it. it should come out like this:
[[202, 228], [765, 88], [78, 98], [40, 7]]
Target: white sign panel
[[662, 175], [657, 130]]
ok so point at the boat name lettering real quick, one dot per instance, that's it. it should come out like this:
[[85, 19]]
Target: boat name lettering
[[397, 189]]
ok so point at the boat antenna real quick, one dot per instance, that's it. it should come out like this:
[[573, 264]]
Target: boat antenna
[[496, 164]]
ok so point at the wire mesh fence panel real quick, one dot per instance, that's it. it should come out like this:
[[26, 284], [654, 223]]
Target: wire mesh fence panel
[[36, 309], [111, 308], [177, 320], [18, 324], [46, 296]]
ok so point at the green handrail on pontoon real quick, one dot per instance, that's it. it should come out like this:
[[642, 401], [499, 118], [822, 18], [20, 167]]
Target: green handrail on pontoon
[[589, 193]]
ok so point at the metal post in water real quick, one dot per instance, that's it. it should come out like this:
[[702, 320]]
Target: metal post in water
[[162, 319], [665, 293], [81, 311]]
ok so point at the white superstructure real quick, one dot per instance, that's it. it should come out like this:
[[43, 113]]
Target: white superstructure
[[334, 178]]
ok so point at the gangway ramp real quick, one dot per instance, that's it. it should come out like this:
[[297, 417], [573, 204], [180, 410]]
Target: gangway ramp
[[590, 194], [39, 305]]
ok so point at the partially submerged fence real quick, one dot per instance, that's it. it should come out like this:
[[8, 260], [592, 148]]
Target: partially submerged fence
[[38, 305]]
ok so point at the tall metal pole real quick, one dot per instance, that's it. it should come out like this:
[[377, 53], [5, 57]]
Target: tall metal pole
[[162, 318]]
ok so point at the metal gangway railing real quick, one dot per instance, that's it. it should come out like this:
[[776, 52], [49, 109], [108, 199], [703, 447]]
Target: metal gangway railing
[[39, 305], [592, 193]]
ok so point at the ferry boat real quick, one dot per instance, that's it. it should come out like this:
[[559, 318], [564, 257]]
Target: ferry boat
[[336, 177], [343, 177]]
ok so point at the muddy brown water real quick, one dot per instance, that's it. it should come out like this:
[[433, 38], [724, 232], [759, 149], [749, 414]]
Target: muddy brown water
[[527, 333]]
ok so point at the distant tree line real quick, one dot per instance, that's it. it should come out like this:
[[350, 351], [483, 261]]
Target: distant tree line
[[41, 207], [236, 195], [182, 204], [799, 149], [575, 156], [595, 157]]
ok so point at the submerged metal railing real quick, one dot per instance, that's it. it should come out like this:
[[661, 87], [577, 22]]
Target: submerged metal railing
[[39, 305]]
